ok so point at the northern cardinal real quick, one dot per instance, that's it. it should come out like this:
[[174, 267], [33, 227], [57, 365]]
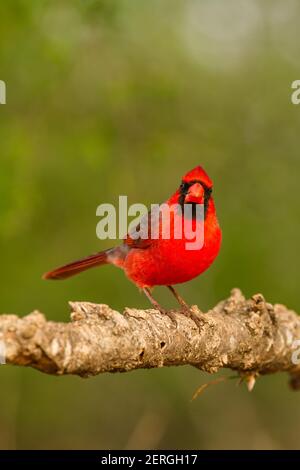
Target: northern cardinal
[[150, 262]]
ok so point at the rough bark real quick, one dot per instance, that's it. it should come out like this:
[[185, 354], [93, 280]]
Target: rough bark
[[251, 337]]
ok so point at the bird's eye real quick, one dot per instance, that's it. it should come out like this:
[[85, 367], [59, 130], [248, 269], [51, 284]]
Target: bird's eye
[[183, 186]]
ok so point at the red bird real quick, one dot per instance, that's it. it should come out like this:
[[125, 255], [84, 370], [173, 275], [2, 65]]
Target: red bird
[[150, 262]]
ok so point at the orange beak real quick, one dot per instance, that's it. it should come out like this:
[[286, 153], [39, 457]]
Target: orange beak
[[195, 194]]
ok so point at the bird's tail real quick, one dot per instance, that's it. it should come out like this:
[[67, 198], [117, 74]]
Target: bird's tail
[[78, 266]]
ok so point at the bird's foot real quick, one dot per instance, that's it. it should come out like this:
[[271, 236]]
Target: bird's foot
[[158, 307], [172, 317], [193, 313], [190, 312], [169, 314]]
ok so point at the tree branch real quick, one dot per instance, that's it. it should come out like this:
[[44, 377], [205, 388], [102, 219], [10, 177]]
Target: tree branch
[[249, 336]]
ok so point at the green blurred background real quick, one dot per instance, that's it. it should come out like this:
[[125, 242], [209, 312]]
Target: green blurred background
[[109, 97]]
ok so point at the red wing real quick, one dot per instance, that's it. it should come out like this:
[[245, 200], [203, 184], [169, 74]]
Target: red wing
[[140, 236]]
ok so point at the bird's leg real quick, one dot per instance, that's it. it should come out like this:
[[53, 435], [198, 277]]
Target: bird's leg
[[187, 310], [179, 298], [156, 305]]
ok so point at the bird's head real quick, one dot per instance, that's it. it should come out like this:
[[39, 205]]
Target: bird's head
[[195, 188]]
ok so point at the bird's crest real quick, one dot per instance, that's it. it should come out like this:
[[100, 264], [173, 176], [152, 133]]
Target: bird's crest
[[198, 174]]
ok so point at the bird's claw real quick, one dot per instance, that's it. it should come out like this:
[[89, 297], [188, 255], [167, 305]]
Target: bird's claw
[[172, 317], [193, 315]]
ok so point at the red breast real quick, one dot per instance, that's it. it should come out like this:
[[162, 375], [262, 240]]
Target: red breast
[[168, 261]]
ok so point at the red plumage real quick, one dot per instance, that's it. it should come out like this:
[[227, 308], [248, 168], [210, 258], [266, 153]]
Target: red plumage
[[150, 262]]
